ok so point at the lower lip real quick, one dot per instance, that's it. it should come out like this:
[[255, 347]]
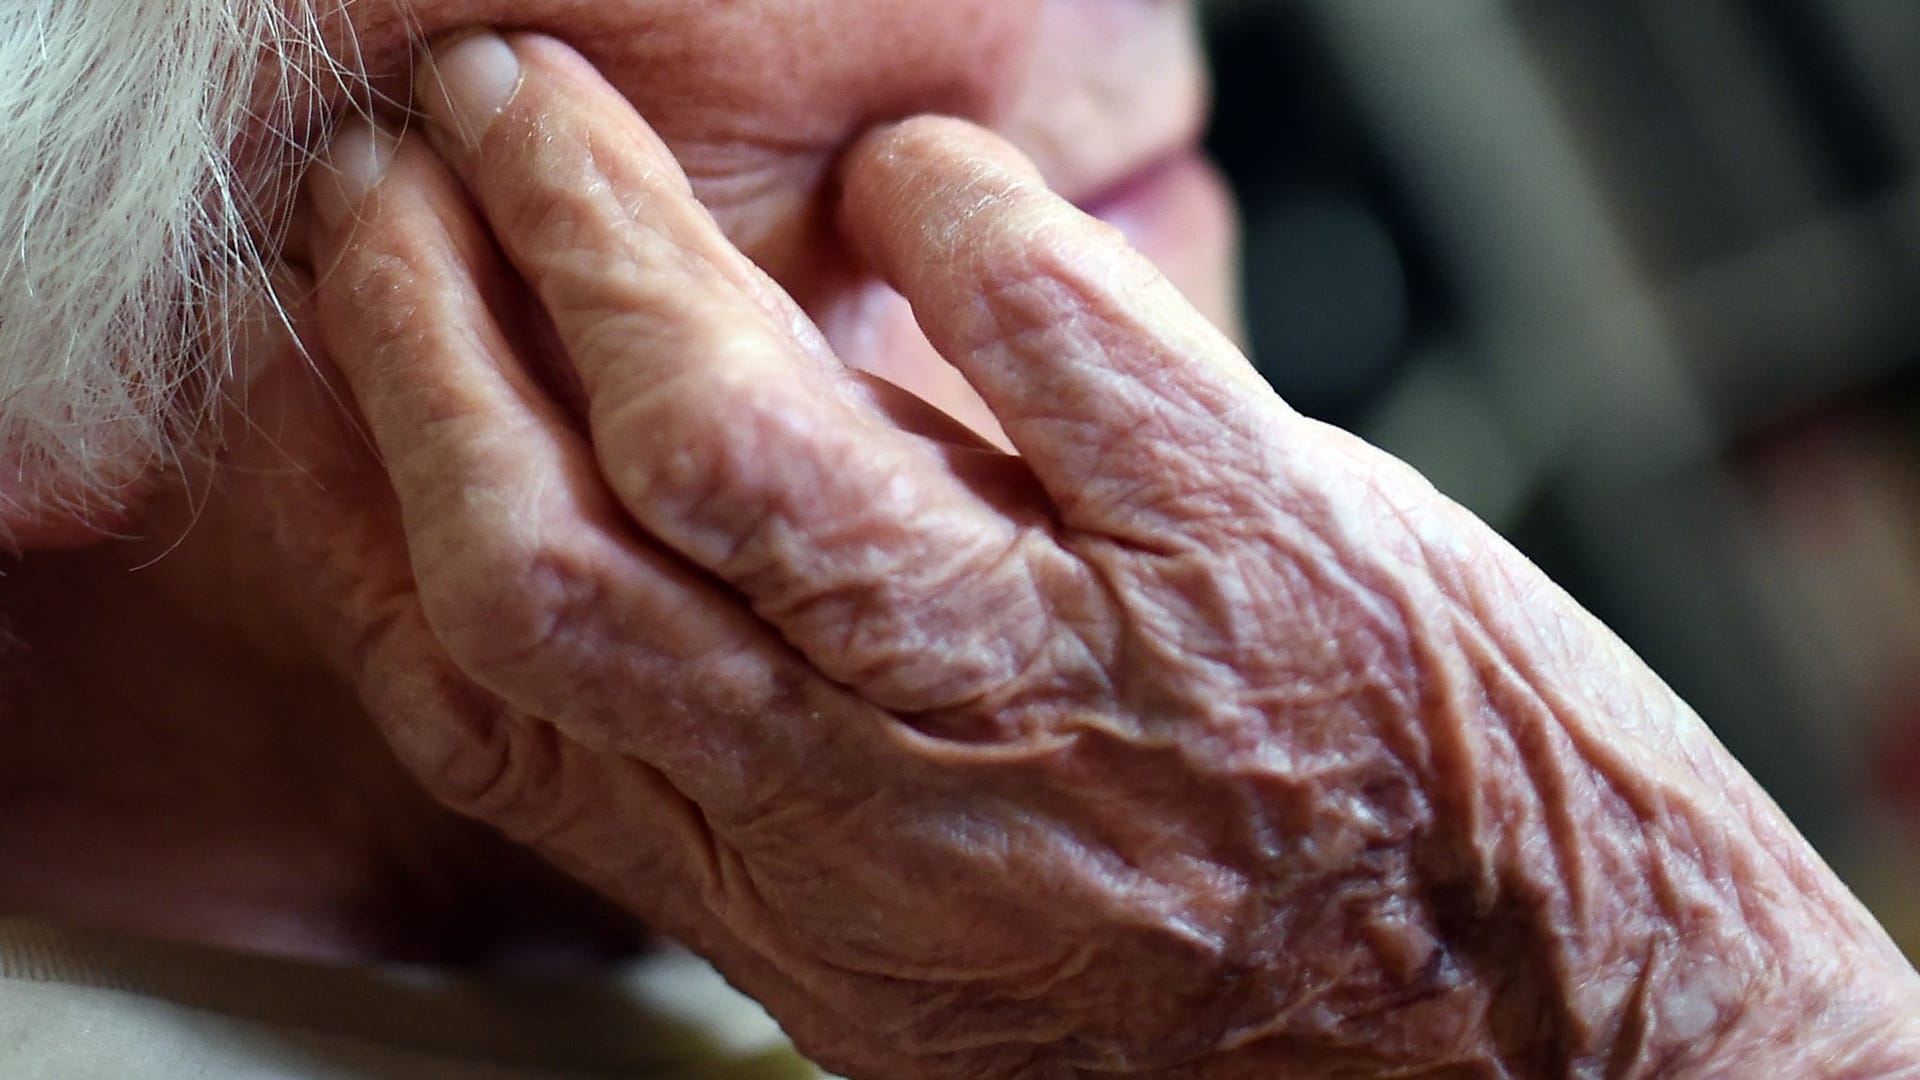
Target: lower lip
[[1180, 214], [1161, 195]]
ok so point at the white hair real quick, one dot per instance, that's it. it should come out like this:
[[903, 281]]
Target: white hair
[[126, 235]]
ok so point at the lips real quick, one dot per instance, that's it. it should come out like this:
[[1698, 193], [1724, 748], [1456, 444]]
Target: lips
[[1177, 211], [1143, 193], [1113, 113]]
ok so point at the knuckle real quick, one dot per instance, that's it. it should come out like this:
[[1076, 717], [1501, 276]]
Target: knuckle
[[587, 258], [465, 746], [552, 169], [502, 767], [590, 255], [712, 487], [381, 289], [660, 346], [965, 640], [512, 616], [542, 217]]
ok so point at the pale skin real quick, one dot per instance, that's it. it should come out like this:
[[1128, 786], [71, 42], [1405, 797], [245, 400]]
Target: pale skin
[[1193, 739]]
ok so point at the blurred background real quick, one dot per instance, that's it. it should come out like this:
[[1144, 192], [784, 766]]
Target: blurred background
[[1639, 282]]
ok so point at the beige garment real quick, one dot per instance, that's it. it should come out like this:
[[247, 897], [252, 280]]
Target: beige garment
[[87, 1006]]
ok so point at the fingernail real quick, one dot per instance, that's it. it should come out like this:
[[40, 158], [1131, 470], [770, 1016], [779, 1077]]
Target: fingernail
[[467, 82], [353, 167]]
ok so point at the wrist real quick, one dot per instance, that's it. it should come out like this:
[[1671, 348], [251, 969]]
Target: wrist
[[1654, 906], [1822, 991]]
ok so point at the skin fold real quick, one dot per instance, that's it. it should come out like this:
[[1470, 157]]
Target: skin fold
[[1129, 723]]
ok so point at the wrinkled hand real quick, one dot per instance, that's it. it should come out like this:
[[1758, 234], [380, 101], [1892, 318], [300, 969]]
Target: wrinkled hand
[[1195, 737]]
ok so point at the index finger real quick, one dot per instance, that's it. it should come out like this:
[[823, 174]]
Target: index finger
[[1105, 378]]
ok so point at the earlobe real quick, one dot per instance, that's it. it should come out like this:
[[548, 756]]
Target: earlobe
[[69, 480], [33, 521]]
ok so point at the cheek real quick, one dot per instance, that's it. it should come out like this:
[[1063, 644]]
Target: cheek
[[794, 73], [757, 98]]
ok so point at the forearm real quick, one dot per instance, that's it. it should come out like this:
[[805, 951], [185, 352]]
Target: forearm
[[1670, 918], [1563, 872]]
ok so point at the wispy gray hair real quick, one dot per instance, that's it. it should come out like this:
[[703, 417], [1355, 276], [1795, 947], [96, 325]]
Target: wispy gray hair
[[126, 235]]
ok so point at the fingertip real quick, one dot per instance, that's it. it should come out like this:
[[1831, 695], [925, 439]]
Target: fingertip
[[943, 141], [895, 174], [357, 160], [466, 82]]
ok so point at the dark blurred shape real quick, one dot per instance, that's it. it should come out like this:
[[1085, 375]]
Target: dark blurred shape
[[1846, 116], [1333, 317], [1337, 274]]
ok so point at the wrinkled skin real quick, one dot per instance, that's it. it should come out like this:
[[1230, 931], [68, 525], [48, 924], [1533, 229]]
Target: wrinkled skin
[[1195, 739]]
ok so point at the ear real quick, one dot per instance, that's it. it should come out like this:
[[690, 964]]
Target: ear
[[84, 450]]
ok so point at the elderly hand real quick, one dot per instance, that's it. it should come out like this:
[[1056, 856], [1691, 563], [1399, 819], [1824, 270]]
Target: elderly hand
[[1195, 739]]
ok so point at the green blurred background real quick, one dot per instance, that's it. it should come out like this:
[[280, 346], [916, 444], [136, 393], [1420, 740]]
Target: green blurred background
[[1639, 282]]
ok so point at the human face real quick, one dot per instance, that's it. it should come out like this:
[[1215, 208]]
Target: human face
[[758, 99]]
